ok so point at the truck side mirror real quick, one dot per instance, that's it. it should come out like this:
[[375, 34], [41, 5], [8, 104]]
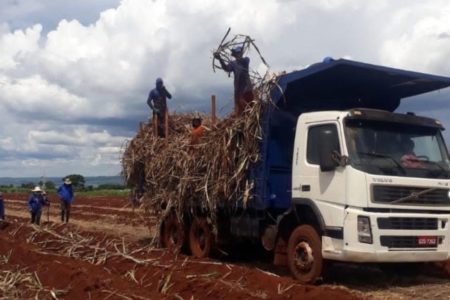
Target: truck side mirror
[[328, 144]]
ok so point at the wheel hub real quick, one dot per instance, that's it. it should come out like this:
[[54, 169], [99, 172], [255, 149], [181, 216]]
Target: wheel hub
[[201, 238], [303, 258]]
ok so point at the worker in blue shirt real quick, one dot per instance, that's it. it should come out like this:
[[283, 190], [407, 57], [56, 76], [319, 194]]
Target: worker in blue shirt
[[157, 101], [2, 207], [35, 203], [66, 197], [243, 90]]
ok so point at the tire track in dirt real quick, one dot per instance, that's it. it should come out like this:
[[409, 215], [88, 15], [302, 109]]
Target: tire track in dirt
[[105, 225]]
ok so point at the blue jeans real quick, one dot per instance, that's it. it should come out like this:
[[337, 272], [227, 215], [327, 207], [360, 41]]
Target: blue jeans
[[65, 211], [36, 217], [2, 209]]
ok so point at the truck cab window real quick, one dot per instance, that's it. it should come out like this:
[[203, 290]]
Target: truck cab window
[[388, 148], [314, 133]]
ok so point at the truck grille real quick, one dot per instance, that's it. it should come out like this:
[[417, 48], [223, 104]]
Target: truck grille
[[408, 223], [388, 194], [401, 242]]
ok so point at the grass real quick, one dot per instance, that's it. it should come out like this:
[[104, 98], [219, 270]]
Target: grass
[[15, 190], [106, 192]]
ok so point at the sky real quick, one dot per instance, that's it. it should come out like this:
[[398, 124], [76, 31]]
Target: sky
[[75, 75]]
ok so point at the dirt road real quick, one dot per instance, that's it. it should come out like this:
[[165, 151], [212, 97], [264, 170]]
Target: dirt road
[[106, 253]]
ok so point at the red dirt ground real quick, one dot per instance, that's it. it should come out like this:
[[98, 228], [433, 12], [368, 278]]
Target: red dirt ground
[[105, 253], [49, 252]]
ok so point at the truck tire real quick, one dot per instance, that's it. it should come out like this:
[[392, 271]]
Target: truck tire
[[200, 238], [304, 254], [172, 234]]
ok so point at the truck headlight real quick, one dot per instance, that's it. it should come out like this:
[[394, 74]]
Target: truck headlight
[[364, 230]]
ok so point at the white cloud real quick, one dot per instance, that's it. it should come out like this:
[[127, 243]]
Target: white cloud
[[424, 41], [70, 90], [7, 144], [36, 96], [17, 45]]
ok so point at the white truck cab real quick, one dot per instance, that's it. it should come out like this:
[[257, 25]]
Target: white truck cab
[[378, 199], [381, 207]]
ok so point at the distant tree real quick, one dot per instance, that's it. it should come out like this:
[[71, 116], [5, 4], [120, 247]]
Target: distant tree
[[49, 185], [27, 185], [110, 186], [78, 181]]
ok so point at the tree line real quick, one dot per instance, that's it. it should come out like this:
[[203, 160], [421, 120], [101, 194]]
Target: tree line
[[78, 182]]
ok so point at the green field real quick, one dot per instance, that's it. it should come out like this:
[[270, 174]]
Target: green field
[[88, 192]]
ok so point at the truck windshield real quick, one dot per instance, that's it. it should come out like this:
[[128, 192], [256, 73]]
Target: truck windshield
[[388, 148]]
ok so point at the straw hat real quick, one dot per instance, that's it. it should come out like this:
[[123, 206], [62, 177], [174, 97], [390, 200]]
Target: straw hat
[[36, 189], [67, 180]]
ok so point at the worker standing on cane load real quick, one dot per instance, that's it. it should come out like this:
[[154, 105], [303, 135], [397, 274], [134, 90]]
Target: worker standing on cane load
[[243, 90], [2, 207], [157, 101], [35, 203], [65, 194]]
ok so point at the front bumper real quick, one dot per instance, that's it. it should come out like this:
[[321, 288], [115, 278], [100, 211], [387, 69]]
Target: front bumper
[[391, 244]]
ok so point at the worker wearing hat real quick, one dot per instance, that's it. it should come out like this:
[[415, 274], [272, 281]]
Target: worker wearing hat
[[35, 203], [197, 130], [65, 193], [243, 90], [157, 101]]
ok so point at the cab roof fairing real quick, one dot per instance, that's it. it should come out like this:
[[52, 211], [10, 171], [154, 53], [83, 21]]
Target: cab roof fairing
[[344, 84]]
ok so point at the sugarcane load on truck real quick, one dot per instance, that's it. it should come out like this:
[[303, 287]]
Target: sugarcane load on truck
[[317, 170]]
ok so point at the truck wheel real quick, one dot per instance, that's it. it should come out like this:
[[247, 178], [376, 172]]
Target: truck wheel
[[200, 238], [172, 235], [304, 254]]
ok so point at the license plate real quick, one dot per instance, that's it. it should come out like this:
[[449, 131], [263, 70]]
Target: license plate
[[424, 241]]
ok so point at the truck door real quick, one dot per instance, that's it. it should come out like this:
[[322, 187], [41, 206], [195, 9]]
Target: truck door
[[325, 190]]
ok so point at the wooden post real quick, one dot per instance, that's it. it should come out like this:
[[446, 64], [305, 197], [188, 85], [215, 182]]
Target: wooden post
[[213, 109], [166, 123]]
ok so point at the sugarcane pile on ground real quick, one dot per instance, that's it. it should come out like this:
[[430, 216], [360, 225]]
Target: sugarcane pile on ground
[[177, 175]]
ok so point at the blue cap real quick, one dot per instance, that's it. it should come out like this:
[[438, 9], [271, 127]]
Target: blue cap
[[159, 80], [237, 49], [328, 59]]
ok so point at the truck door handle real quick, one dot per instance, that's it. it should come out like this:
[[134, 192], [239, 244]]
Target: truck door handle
[[306, 188]]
